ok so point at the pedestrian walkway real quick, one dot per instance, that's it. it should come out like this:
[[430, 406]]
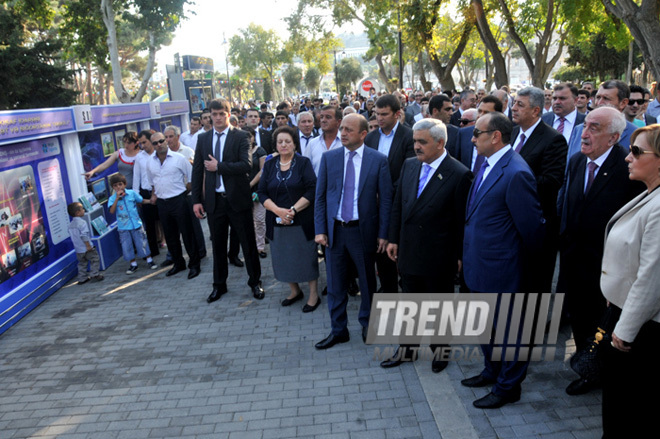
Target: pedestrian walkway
[[144, 356]]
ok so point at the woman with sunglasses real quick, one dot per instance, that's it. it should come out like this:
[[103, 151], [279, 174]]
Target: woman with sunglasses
[[630, 282]]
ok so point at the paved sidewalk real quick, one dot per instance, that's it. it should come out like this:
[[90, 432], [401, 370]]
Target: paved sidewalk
[[144, 356]]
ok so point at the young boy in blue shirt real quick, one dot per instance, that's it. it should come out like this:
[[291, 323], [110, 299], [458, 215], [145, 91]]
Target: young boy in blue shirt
[[85, 252], [123, 203]]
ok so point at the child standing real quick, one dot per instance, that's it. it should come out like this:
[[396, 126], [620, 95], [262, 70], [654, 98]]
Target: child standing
[[124, 203], [85, 252]]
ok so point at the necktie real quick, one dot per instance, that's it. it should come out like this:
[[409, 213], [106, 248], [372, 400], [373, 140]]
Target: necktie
[[306, 142], [477, 163], [477, 182], [560, 127], [422, 178], [521, 143], [218, 157], [349, 189], [590, 178]]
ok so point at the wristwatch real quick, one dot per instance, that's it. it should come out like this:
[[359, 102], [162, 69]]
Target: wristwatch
[[294, 209]]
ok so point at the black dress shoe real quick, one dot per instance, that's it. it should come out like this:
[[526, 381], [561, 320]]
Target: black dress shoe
[[364, 334], [167, 263], [477, 381], [353, 288], [493, 401], [332, 340], [397, 359], [581, 386], [193, 272], [263, 254], [310, 308], [174, 270], [438, 366], [236, 261], [258, 292], [215, 295], [288, 302]]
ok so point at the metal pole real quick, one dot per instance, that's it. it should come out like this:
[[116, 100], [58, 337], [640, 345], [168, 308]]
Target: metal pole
[[398, 14]]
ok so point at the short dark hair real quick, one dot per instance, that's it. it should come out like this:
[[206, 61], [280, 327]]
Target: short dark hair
[[146, 133], [220, 104], [117, 178], [196, 118], [389, 100], [251, 132], [584, 92], [568, 85], [499, 122], [74, 207], [281, 113], [338, 112], [290, 131], [437, 102], [497, 104], [265, 114], [637, 89]]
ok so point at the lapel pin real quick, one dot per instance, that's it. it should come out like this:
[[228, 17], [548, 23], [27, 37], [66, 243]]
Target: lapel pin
[[605, 174], [440, 176]]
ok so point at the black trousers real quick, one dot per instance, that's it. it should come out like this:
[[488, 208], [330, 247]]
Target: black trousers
[[241, 221], [176, 218], [197, 229], [149, 218]]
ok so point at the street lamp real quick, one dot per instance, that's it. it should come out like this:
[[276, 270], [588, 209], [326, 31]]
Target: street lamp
[[224, 43]]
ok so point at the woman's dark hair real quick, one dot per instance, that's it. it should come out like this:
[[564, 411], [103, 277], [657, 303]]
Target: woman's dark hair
[[292, 132], [251, 132], [130, 136]]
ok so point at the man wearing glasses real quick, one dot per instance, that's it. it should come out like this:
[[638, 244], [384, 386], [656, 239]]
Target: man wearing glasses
[[634, 111]]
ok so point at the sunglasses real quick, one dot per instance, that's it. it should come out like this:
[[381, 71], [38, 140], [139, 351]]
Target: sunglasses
[[637, 101], [466, 121], [478, 132], [158, 142], [636, 151]]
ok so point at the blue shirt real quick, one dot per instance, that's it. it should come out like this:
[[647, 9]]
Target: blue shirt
[[128, 217]]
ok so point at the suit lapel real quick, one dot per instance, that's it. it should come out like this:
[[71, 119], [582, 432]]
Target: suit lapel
[[365, 168], [435, 184], [534, 139], [492, 178], [228, 140], [604, 174]]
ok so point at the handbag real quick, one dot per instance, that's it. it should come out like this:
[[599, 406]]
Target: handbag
[[588, 362]]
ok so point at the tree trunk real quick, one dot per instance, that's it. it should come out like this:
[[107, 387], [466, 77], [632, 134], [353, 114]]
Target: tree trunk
[[644, 25], [382, 73], [90, 89], [500, 76], [108, 14]]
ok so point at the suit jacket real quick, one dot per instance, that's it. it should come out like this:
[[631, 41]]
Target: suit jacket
[[452, 140], [374, 196], [234, 168], [545, 153], [266, 139], [631, 279], [456, 118], [650, 120], [549, 118], [411, 111], [464, 146], [429, 229], [402, 148], [583, 218], [504, 227]]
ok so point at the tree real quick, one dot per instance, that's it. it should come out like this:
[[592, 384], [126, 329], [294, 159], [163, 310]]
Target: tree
[[313, 80], [157, 20], [293, 78], [500, 73], [258, 53], [643, 21], [32, 74], [349, 72]]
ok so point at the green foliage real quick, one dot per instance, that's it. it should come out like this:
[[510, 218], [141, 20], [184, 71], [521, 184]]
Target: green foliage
[[594, 58], [349, 72], [31, 74], [293, 77], [312, 79]]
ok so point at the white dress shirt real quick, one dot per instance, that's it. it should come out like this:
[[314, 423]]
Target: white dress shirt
[[569, 124], [492, 161], [190, 140], [435, 164], [528, 132], [385, 141], [170, 177], [317, 147], [185, 151], [140, 175], [599, 161]]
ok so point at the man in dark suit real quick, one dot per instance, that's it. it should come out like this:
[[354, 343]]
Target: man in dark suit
[[564, 116], [468, 100], [440, 108], [306, 130], [504, 228], [544, 150], [351, 219], [263, 137], [591, 198], [220, 185], [428, 216], [395, 141], [466, 151]]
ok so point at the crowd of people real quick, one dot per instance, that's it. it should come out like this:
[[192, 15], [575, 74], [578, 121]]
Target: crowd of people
[[426, 193]]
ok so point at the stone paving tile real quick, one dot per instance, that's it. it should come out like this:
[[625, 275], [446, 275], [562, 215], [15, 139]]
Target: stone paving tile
[[145, 356]]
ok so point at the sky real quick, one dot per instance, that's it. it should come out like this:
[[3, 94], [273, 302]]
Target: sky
[[202, 34]]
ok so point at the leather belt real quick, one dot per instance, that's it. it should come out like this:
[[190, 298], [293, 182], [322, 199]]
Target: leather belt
[[354, 223]]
